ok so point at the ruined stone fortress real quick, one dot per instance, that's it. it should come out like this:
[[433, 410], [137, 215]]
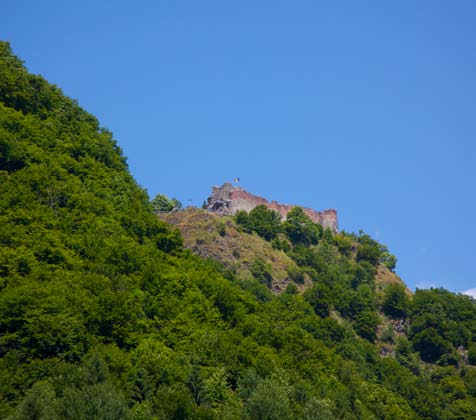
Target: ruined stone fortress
[[228, 199]]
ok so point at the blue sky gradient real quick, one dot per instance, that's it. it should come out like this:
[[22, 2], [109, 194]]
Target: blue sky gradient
[[367, 107]]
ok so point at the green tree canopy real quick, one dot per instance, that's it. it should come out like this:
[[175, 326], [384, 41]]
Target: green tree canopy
[[300, 229], [161, 203], [396, 302], [265, 222], [104, 315]]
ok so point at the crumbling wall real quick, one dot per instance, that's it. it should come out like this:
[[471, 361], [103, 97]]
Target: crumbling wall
[[227, 200]]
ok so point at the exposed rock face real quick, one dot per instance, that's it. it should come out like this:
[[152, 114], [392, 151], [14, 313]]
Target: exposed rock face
[[227, 200]]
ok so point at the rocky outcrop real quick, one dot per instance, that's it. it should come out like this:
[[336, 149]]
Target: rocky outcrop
[[228, 199]]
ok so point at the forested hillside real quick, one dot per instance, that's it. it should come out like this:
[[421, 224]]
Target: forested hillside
[[105, 315]]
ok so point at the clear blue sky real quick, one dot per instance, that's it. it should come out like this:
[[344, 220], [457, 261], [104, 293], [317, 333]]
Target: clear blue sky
[[363, 106]]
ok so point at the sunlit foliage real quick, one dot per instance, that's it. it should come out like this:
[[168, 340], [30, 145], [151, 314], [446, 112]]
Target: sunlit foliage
[[104, 315]]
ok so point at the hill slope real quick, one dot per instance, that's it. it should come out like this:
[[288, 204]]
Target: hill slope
[[218, 237], [104, 315]]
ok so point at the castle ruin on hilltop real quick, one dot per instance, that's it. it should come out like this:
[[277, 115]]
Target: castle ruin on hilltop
[[228, 199]]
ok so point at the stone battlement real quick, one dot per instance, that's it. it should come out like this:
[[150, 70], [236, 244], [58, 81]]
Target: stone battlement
[[227, 200]]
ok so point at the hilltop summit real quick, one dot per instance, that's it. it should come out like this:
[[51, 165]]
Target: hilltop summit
[[228, 199]]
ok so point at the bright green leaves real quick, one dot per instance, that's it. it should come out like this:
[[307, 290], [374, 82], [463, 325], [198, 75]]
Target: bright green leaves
[[161, 203], [441, 322], [103, 315], [265, 222], [300, 229], [374, 253]]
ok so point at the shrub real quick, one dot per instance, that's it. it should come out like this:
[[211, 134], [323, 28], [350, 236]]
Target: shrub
[[161, 203], [265, 222], [261, 272], [300, 229], [396, 302]]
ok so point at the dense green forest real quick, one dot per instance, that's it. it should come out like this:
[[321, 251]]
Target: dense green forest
[[105, 315]]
